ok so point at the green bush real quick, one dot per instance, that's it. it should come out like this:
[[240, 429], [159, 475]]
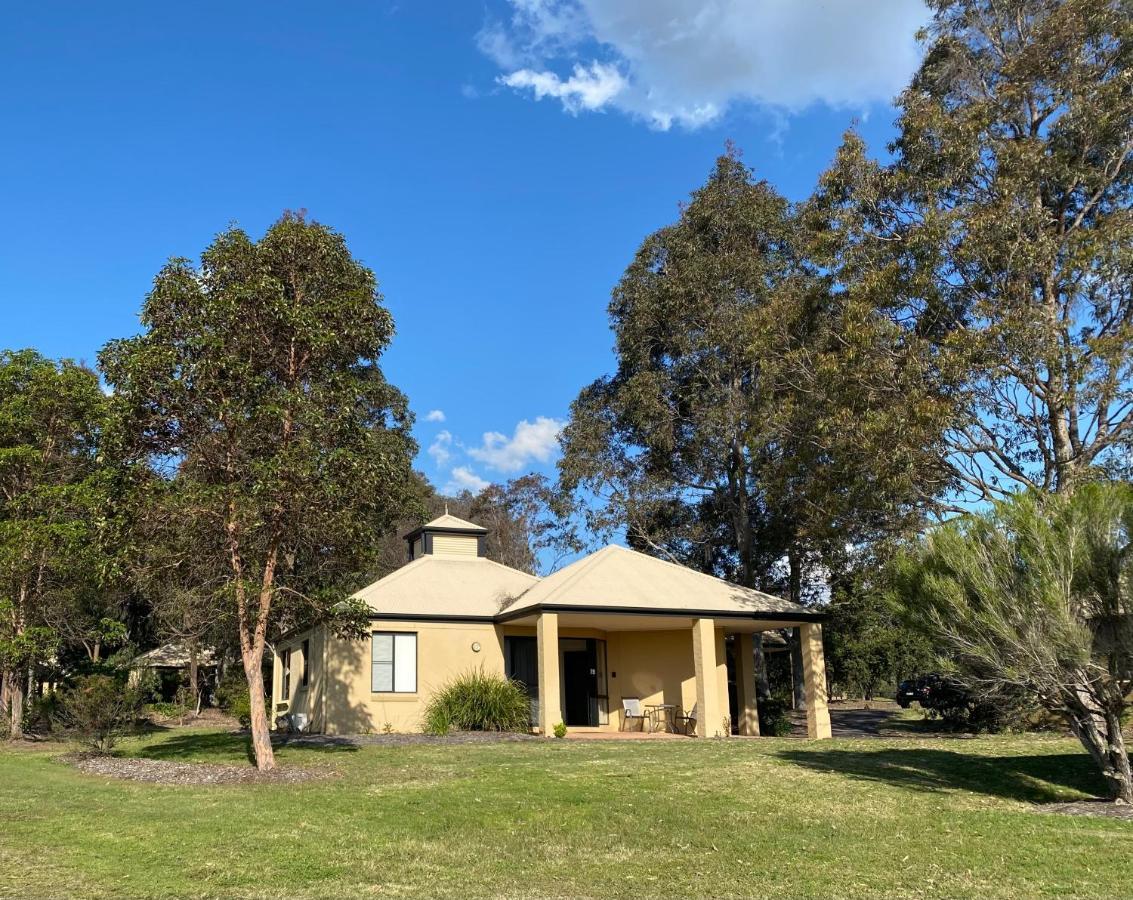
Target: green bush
[[98, 709], [166, 709], [232, 696], [41, 713], [560, 730], [775, 716], [478, 701]]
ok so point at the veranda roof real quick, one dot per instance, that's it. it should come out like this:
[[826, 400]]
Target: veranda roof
[[616, 579], [172, 656]]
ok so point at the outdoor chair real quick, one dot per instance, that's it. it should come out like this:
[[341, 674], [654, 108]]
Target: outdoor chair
[[686, 724], [631, 709]]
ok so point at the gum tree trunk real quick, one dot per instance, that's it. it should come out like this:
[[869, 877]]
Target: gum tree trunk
[[194, 675], [261, 730], [14, 689], [1099, 730], [798, 681]]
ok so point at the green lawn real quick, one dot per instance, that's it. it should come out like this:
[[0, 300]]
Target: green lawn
[[916, 817]]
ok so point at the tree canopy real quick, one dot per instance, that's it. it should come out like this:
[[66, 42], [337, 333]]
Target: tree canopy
[[1032, 599], [52, 417], [256, 382]]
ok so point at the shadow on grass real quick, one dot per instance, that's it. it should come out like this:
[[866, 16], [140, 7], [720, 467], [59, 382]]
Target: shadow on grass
[[1032, 779], [214, 746]]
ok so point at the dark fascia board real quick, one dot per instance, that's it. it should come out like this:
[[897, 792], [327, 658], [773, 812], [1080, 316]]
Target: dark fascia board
[[422, 617], [421, 529], [504, 617], [771, 616]]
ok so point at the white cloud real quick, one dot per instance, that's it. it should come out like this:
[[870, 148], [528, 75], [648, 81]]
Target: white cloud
[[531, 441], [435, 415], [586, 89], [462, 479], [686, 62], [441, 448]]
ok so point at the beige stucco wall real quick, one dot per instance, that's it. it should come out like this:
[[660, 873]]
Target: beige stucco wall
[[654, 666], [444, 650], [658, 667], [302, 699]]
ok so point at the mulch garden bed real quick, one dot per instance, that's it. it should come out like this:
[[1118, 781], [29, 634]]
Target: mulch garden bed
[[1103, 808], [160, 771], [399, 739]]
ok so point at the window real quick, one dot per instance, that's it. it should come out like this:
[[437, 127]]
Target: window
[[306, 663], [394, 662], [286, 694]]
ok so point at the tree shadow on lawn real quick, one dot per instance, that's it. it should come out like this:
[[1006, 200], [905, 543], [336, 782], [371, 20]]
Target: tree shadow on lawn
[[1031, 779], [214, 746]]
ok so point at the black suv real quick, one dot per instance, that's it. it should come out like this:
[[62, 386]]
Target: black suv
[[910, 690]]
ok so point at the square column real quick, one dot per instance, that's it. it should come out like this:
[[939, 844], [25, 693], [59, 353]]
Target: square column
[[745, 686], [550, 704], [814, 676], [711, 708]]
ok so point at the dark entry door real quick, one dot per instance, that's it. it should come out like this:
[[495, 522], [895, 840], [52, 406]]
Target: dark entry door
[[580, 680]]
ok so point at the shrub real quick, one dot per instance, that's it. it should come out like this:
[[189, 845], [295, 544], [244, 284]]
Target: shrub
[[945, 697], [560, 730], [232, 696], [478, 701], [41, 713], [98, 709], [166, 709], [775, 716]]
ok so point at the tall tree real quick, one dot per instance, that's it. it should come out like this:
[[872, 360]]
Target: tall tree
[[1032, 599], [166, 557], [1011, 203], [257, 378], [767, 407], [51, 419], [529, 524], [671, 445]]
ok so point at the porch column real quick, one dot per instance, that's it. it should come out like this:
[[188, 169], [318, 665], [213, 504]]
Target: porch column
[[547, 639], [814, 675], [711, 708], [745, 686]]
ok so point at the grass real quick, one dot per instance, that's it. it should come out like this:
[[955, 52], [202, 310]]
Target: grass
[[904, 817]]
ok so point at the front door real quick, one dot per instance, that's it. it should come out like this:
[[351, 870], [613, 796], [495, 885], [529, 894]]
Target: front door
[[580, 681], [585, 701]]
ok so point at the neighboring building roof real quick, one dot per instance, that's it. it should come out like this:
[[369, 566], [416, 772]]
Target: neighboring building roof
[[448, 523], [433, 586], [616, 578], [172, 656]]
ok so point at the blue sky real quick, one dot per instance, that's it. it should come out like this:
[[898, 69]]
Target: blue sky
[[496, 164]]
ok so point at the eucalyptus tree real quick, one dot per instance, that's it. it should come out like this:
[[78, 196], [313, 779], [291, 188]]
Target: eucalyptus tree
[[1010, 203], [256, 380], [1032, 599], [671, 445], [52, 416]]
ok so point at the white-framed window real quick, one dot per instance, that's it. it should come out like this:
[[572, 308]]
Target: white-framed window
[[394, 658]]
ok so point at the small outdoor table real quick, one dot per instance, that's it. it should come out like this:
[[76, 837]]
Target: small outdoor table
[[663, 714]]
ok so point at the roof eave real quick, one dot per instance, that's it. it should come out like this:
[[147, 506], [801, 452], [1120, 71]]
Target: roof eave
[[801, 615]]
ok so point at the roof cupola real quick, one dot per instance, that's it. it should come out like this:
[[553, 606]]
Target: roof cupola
[[447, 537]]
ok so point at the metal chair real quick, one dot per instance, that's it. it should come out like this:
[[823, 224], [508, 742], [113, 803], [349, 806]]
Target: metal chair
[[687, 724], [631, 709]]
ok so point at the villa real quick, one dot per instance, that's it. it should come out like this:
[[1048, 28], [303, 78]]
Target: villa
[[612, 627]]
